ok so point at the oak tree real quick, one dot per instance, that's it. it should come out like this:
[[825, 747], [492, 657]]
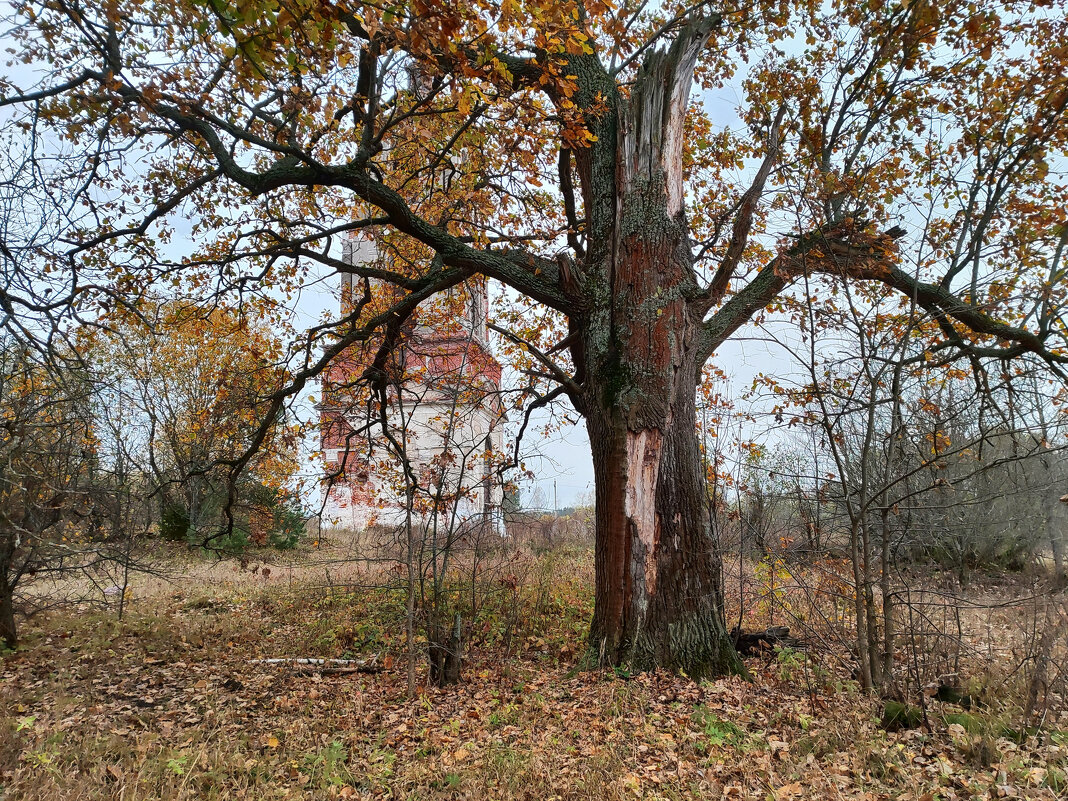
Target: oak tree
[[558, 147]]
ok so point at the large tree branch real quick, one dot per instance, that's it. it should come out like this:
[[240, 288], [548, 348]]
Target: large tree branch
[[528, 273], [568, 382], [22, 98], [567, 191], [741, 307], [743, 221], [158, 212], [861, 256], [946, 308]]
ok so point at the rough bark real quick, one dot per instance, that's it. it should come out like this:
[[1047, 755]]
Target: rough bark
[[445, 657], [8, 632], [640, 349], [659, 599], [640, 340]]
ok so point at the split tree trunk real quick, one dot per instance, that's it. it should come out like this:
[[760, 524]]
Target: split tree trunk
[[659, 599], [659, 602]]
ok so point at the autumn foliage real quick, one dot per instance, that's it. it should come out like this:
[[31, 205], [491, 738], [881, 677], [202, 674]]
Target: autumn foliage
[[644, 180], [197, 381]]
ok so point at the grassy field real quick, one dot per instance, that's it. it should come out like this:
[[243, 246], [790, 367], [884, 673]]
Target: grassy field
[[169, 703]]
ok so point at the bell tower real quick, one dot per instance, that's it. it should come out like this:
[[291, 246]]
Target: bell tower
[[446, 411]]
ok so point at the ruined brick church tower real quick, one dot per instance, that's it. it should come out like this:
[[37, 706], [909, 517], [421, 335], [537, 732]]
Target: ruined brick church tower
[[426, 451]]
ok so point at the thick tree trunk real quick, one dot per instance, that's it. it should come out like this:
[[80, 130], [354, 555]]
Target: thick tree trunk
[[639, 350], [659, 599], [8, 632]]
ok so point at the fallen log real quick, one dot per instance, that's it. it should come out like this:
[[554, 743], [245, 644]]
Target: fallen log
[[325, 667], [756, 642]]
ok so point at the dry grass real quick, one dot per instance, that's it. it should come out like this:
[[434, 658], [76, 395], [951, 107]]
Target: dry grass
[[166, 704]]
